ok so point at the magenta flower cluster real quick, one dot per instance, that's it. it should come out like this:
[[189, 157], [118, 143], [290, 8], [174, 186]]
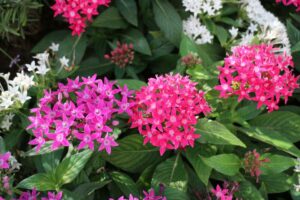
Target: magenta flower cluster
[[295, 3], [33, 195], [4, 160], [226, 192], [78, 12], [80, 110], [147, 196], [257, 74], [165, 111]]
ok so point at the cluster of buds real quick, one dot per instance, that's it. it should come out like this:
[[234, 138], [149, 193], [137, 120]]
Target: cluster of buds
[[122, 55], [253, 162], [191, 60]]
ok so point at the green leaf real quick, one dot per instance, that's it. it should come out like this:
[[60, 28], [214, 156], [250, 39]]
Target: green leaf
[[171, 173], [140, 44], [92, 66], [248, 112], [131, 83], [273, 138], [187, 46], [213, 132], [277, 164], [285, 123], [277, 183], [194, 157], [174, 194], [128, 10], [55, 36], [70, 167], [125, 183], [248, 191], [132, 156], [41, 182], [228, 164], [293, 33], [51, 160], [83, 191], [46, 148], [110, 18], [168, 20], [163, 64], [71, 46], [2, 145], [222, 35]]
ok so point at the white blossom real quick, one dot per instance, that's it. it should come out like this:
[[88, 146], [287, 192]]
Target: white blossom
[[233, 32], [273, 31], [64, 61], [31, 67], [43, 58], [7, 121], [54, 47], [196, 31], [42, 69], [209, 7]]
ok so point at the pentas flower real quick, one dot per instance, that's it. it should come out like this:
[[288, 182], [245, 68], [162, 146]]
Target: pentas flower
[[165, 111], [227, 192], [78, 12], [83, 111], [4, 160], [53, 196], [257, 74], [296, 3], [122, 55], [191, 60], [29, 195], [147, 196], [253, 162]]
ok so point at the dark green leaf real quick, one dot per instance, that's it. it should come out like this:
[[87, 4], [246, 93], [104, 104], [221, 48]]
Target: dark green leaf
[[46, 148], [41, 182], [168, 20], [171, 173], [228, 164], [174, 194], [70, 167], [285, 123], [277, 164], [213, 132], [128, 9], [131, 83], [140, 44], [132, 156], [85, 190], [125, 183], [110, 18], [277, 183], [293, 33], [249, 192]]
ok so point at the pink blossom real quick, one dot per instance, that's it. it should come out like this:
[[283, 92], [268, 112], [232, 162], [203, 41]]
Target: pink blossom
[[122, 55], [78, 12], [295, 3], [80, 110], [166, 110], [53, 196], [220, 194], [152, 196], [4, 160], [33, 195], [257, 74]]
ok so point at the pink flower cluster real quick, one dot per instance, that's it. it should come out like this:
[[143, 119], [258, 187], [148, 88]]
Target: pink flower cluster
[[296, 3], [256, 73], [82, 110], [253, 162], [166, 109], [33, 195], [227, 192], [78, 12], [147, 196], [4, 160]]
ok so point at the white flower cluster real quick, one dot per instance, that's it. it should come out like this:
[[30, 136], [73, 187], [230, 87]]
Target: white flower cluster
[[16, 91], [196, 31], [209, 7], [192, 27], [273, 31]]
